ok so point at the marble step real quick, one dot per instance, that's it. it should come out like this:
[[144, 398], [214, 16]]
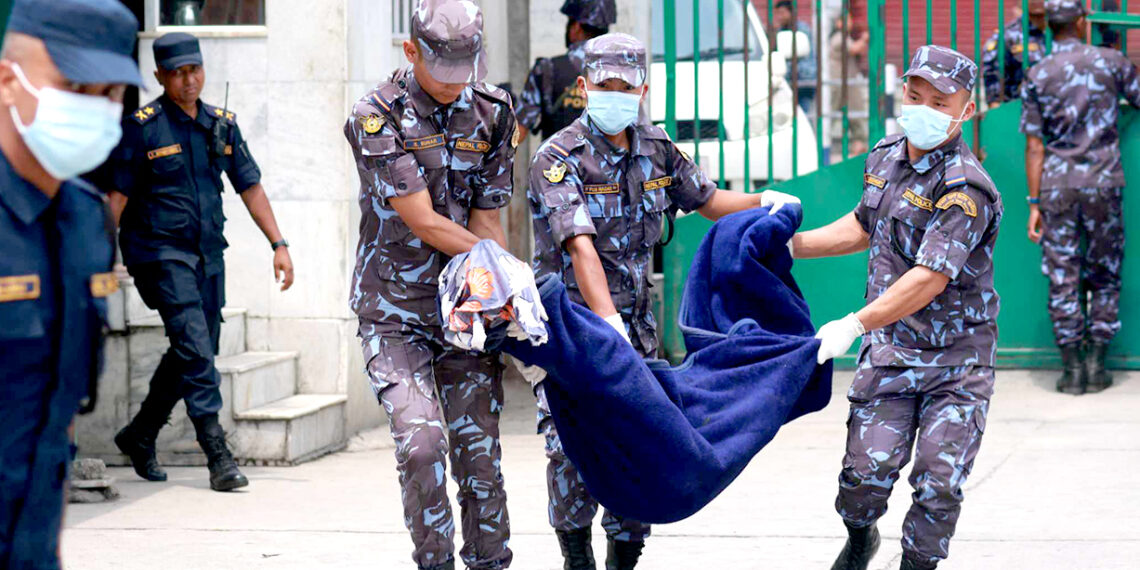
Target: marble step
[[291, 430], [258, 378], [148, 340]]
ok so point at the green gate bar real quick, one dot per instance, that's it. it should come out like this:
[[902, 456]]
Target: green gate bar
[[768, 52], [1025, 37], [876, 59], [954, 25], [696, 81], [1001, 48], [818, 84], [720, 131], [747, 115], [670, 21], [795, 97], [905, 31]]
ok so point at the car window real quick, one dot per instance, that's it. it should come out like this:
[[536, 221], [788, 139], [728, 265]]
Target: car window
[[733, 33]]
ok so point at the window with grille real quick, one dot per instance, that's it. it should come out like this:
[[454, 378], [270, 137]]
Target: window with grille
[[402, 17], [211, 13]]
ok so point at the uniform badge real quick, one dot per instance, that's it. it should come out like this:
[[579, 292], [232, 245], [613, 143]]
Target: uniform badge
[[19, 288], [658, 183], [517, 137], [555, 173], [372, 124], [875, 180], [991, 45], [612, 188], [918, 201], [164, 151], [472, 146], [103, 284], [959, 199]]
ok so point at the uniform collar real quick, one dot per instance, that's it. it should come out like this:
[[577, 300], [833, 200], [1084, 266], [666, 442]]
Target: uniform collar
[[638, 146], [21, 197], [425, 105], [173, 110], [1067, 44], [930, 159]]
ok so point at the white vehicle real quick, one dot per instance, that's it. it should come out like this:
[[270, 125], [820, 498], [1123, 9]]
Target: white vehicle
[[784, 109]]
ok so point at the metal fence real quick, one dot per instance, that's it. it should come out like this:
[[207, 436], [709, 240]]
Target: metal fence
[[987, 17]]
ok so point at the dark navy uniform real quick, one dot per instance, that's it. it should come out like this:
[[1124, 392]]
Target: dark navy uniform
[[54, 278], [171, 238]]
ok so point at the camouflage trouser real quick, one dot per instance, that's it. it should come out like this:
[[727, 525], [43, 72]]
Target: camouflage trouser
[[1095, 214], [406, 367], [571, 505], [941, 414]]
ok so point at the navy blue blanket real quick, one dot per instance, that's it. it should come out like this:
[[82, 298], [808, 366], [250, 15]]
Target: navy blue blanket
[[656, 443]]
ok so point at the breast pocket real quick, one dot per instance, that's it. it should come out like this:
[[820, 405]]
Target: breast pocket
[[654, 203], [22, 320], [908, 227], [467, 173], [607, 213]]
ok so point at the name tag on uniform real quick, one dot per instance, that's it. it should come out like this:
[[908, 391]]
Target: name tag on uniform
[[229, 149], [920, 202], [104, 284], [875, 180], [959, 199], [658, 183], [424, 143], [164, 151], [19, 288], [473, 146], [601, 188]]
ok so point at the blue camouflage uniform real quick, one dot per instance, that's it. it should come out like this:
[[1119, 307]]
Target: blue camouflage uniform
[[581, 184], [924, 382], [999, 88], [54, 280], [1071, 102], [462, 154]]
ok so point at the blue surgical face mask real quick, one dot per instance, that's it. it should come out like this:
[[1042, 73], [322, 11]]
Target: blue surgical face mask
[[72, 134], [613, 111], [926, 128]]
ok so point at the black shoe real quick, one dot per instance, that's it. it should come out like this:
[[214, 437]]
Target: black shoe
[[449, 565], [909, 563], [576, 549], [862, 544], [224, 473], [1074, 378], [1099, 378], [623, 555], [140, 449]]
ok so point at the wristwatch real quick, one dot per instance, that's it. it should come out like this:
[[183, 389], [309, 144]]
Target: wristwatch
[[1033, 199], [278, 244]]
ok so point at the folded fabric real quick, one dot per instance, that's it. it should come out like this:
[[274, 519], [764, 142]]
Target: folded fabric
[[656, 443], [488, 291]]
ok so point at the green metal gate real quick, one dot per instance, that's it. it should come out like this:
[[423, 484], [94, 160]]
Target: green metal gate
[[834, 287]]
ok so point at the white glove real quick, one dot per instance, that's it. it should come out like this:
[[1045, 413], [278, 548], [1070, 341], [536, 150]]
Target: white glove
[[776, 200], [837, 337], [614, 321]]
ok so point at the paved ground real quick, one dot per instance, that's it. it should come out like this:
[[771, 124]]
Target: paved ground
[[1055, 486]]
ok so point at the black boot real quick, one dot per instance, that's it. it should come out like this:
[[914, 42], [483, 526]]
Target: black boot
[[862, 544], [1074, 378], [909, 563], [623, 555], [136, 441], [1099, 378], [576, 549], [449, 565], [224, 473]]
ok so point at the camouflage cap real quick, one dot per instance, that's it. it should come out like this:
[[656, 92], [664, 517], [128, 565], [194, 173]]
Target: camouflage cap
[[945, 69], [615, 55], [1064, 11], [450, 34], [595, 13]]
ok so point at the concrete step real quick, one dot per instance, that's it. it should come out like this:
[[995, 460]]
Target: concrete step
[[148, 339], [291, 430], [258, 378]]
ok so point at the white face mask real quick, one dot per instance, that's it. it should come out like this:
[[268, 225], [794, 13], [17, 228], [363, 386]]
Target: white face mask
[[72, 134], [926, 128]]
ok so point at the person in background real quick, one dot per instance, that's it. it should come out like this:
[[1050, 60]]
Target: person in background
[[1000, 89], [804, 72], [853, 48]]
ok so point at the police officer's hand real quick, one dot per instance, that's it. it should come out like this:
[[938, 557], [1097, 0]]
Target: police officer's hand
[[836, 337], [1035, 226], [776, 200], [283, 267]]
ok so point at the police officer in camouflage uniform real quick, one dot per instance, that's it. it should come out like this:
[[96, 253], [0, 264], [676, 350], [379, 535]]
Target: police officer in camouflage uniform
[[999, 88], [165, 179], [434, 146], [929, 216], [551, 100], [599, 191], [1070, 108]]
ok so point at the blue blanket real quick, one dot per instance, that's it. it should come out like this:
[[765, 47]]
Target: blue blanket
[[656, 443]]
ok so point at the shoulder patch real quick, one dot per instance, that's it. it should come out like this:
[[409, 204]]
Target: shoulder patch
[[147, 113], [960, 199], [918, 201], [372, 123], [556, 173], [220, 113]]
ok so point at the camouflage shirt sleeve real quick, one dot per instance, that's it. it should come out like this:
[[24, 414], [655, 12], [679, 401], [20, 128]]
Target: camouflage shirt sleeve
[[385, 168], [560, 202], [991, 71], [1129, 81], [692, 188], [1032, 123], [958, 226], [529, 112], [496, 183]]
